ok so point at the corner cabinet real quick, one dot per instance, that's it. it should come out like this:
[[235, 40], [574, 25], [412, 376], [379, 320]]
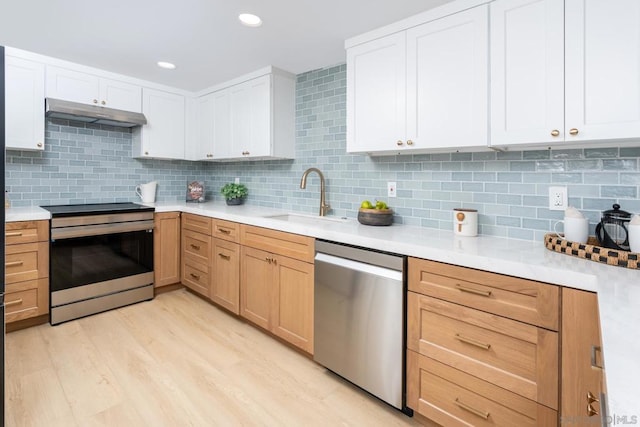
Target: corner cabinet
[[163, 136], [575, 62], [24, 100], [276, 283], [420, 90], [251, 119]]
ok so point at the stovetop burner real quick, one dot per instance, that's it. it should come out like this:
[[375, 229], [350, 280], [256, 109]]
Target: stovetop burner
[[95, 209]]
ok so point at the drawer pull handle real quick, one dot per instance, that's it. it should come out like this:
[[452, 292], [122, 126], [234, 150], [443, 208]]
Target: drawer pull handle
[[13, 263], [473, 410], [15, 302], [196, 247], [14, 234], [223, 256], [594, 357], [473, 291], [195, 276], [224, 231], [591, 411], [473, 342]]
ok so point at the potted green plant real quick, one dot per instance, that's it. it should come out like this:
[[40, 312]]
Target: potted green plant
[[234, 194]]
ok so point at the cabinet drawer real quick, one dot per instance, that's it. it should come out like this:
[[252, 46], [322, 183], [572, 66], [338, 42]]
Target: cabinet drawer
[[194, 277], [451, 397], [513, 355], [197, 246], [524, 300], [198, 223], [226, 230], [279, 242], [27, 261], [26, 232], [27, 299]]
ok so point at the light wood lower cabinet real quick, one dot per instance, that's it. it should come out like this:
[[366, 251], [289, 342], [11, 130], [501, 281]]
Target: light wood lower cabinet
[[582, 384], [225, 280], [277, 290], [26, 270], [166, 248]]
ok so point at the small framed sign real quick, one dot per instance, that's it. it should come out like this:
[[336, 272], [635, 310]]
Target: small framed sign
[[195, 191]]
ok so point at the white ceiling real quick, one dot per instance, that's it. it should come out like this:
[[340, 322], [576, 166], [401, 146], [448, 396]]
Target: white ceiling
[[202, 37]]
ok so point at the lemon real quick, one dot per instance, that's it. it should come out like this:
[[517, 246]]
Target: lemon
[[381, 205], [366, 205]]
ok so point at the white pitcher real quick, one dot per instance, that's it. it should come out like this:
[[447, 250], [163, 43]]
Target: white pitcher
[[147, 192]]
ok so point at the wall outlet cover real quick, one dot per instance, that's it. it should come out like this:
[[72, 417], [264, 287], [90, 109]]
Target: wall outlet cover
[[558, 198]]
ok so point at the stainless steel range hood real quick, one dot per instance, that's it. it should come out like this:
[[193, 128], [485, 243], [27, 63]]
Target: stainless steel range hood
[[59, 109]]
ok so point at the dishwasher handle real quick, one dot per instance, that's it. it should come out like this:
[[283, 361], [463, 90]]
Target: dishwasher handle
[[359, 266]]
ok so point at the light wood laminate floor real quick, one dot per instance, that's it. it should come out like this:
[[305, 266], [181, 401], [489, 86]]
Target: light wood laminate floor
[[174, 361]]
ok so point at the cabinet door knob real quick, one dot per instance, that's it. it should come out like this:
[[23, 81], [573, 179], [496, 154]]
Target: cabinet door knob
[[591, 411], [409, 142], [39, 144], [95, 101], [399, 143], [573, 131], [555, 132], [104, 102], [146, 153], [591, 398]]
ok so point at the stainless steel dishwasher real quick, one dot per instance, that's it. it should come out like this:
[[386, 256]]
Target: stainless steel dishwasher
[[359, 318]]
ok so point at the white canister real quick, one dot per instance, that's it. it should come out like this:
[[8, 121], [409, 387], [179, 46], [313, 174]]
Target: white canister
[[147, 192], [465, 222]]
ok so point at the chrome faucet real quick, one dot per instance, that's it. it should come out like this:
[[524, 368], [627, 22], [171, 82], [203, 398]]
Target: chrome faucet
[[324, 207]]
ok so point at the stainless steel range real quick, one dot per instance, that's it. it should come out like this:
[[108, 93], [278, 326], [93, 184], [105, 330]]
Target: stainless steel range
[[101, 258]]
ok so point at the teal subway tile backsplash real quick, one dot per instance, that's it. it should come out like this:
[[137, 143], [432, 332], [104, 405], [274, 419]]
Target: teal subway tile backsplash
[[85, 164]]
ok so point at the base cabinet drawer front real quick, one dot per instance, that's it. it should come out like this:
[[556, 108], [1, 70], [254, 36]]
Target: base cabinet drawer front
[[28, 261], [226, 230], [197, 223], [196, 246], [26, 299], [519, 299], [225, 283], [451, 397], [26, 232], [516, 356], [278, 242], [195, 276]]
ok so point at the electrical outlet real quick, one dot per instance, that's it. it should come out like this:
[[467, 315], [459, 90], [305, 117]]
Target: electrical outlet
[[391, 189], [558, 200], [237, 181]]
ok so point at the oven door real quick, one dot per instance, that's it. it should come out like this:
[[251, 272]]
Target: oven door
[[80, 261]]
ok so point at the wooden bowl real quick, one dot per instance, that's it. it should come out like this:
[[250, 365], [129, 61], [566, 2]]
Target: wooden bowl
[[375, 216]]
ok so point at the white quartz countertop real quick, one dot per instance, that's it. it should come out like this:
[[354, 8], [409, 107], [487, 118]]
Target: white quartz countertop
[[618, 288]]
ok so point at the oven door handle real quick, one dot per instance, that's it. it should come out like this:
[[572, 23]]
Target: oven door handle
[[100, 229]]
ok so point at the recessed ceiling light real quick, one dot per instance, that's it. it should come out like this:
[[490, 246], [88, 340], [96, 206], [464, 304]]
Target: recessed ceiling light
[[166, 65], [250, 20]]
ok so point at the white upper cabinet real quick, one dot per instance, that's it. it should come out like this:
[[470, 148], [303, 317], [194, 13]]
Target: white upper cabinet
[[24, 100], [448, 81], [527, 71], [564, 73], [76, 86], [250, 119], [420, 90], [602, 68], [376, 95], [164, 134]]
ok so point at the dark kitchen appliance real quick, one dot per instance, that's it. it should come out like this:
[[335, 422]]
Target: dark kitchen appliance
[[101, 258], [2, 218], [612, 230]]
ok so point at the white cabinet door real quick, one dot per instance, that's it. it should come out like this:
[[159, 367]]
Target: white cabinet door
[[164, 134], [120, 95], [447, 81], [24, 100], [250, 117], [376, 95], [221, 120], [602, 69], [205, 127], [72, 85], [527, 71]]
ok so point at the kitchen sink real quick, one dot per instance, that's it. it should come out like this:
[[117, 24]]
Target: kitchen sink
[[307, 219]]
